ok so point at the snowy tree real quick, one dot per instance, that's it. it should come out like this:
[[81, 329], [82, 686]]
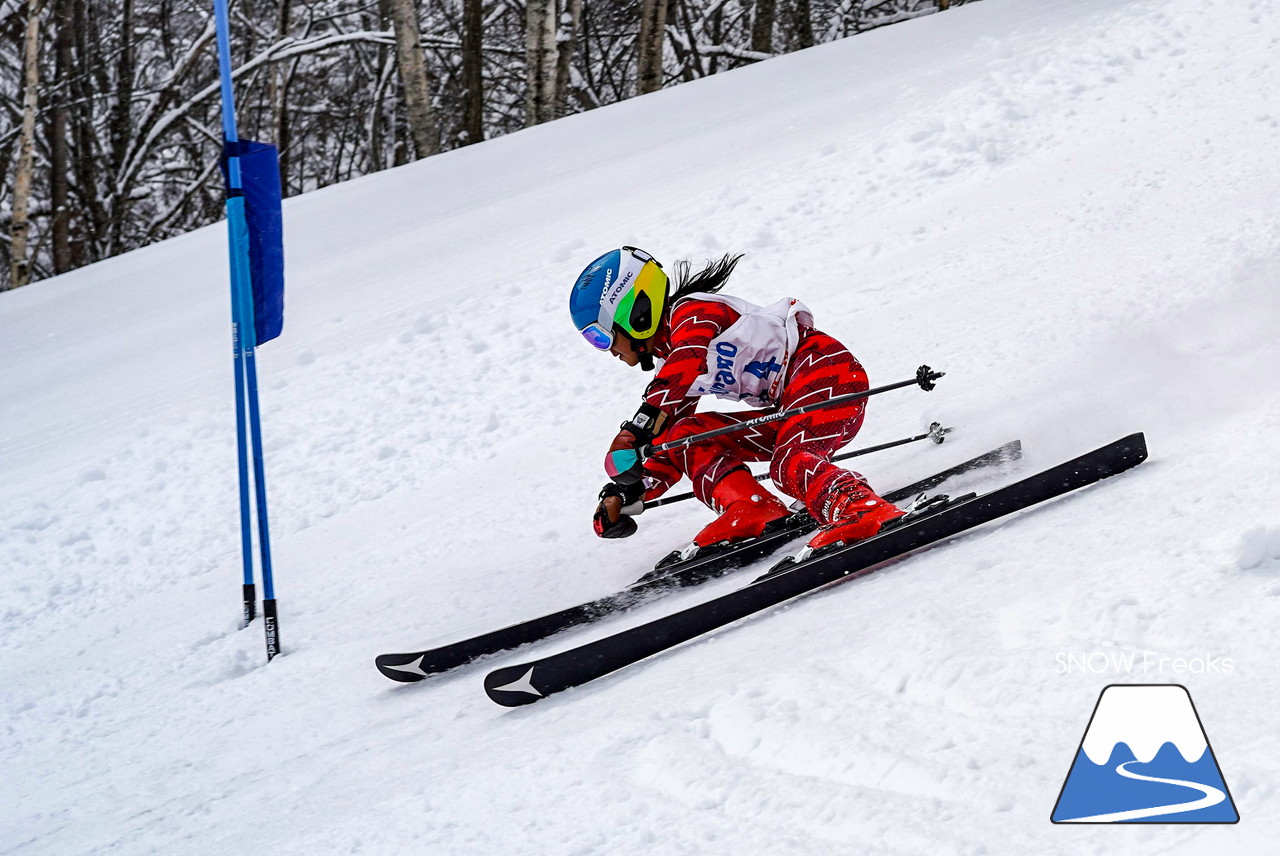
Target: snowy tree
[[116, 144], [20, 265], [413, 78]]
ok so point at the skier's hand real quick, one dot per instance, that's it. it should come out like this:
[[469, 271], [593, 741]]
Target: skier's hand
[[618, 504], [623, 463]]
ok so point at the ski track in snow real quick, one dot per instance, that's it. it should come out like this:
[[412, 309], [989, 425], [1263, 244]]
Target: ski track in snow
[[1068, 207]]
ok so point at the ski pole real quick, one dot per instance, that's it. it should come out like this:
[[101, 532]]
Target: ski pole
[[627, 460], [924, 378], [936, 433]]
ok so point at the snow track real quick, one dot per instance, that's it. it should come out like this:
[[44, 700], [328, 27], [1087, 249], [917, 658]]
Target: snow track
[[1069, 207]]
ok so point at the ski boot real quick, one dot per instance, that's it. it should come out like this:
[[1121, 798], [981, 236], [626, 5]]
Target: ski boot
[[745, 507], [850, 512]]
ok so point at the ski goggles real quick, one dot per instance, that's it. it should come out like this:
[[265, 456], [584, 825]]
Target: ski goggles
[[598, 336]]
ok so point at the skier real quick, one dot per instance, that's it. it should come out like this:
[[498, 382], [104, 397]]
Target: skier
[[713, 344]]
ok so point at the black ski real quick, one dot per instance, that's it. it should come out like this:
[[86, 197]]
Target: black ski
[[708, 564], [527, 682]]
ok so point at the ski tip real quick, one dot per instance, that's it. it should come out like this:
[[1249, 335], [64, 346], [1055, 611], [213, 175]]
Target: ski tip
[[405, 668], [512, 686]]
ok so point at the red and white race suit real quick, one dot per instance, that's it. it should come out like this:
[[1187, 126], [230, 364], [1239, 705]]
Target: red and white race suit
[[771, 357]]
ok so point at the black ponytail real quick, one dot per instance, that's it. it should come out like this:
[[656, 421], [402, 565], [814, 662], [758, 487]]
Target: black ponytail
[[709, 280]]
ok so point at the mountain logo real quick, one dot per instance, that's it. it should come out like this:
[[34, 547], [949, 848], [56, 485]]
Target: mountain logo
[[1145, 758]]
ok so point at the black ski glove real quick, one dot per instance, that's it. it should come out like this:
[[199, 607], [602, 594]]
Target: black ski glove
[[618, 504]]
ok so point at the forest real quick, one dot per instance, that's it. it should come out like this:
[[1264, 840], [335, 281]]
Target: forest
[[110, 129]]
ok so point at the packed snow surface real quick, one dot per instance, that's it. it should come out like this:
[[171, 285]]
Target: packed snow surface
[[1071, 206]]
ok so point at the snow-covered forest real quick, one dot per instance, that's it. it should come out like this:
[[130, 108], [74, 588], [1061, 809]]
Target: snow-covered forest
[[109, 134]]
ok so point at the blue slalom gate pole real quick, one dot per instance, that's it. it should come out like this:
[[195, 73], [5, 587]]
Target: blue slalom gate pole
[[244, 341], [242, 453]]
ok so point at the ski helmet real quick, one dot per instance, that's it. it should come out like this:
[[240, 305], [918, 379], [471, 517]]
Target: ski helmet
[[623, 290]]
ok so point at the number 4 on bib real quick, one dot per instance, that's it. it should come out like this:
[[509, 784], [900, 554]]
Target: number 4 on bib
[[762, 369]]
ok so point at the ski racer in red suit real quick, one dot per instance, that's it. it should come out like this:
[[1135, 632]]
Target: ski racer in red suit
[[770, 357]]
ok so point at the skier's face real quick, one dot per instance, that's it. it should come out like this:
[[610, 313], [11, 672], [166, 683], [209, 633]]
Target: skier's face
[[621, 348]]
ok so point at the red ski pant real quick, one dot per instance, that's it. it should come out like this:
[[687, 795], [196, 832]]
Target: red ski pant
[[799, 449]]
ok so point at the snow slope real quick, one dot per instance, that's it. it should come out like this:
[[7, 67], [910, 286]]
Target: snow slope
[[1070, 207]]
